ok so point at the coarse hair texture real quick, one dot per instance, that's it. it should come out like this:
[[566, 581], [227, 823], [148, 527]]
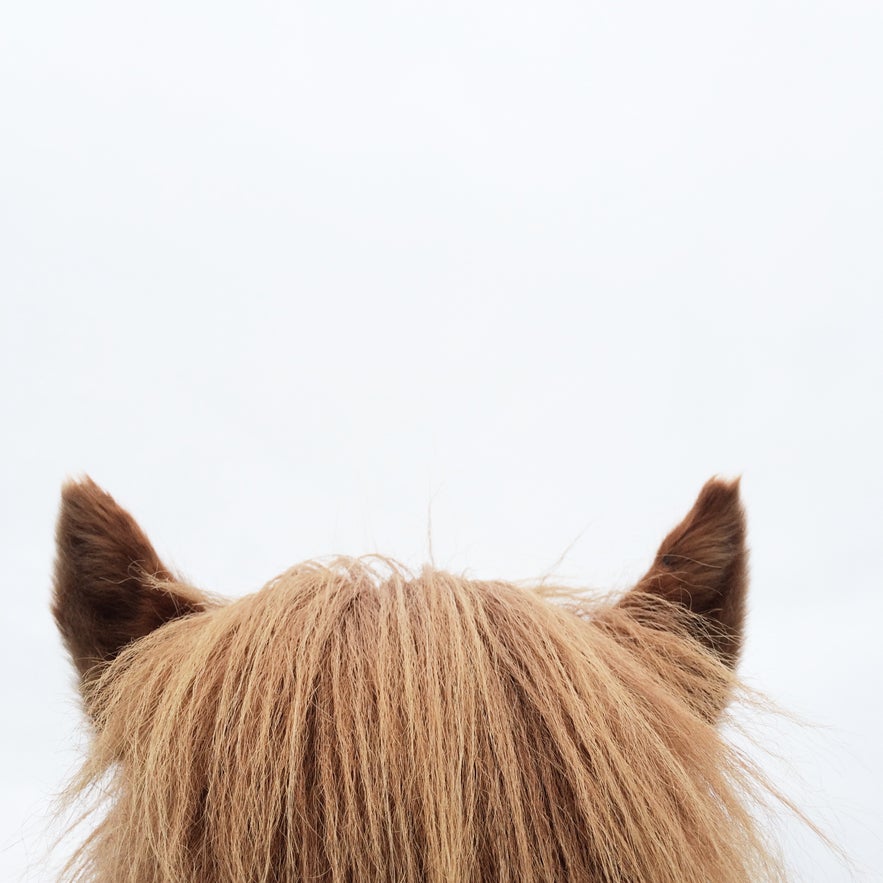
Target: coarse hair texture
[[353, 722]]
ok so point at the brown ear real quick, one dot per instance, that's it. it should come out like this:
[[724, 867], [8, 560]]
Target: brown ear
[[104, 594], [703, 564]]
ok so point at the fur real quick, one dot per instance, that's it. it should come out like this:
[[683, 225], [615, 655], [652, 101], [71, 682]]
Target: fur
[[354, 722]]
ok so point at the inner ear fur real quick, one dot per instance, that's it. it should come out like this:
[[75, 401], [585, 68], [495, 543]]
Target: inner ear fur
[[111, 587], [703, 565]]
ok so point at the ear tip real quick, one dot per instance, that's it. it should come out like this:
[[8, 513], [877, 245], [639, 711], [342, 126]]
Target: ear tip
[[82, 498], [721, 496], [723, 485], [88, 514], [80, 488]]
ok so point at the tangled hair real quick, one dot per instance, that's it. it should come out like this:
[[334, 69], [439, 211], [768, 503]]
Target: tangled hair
[[352, 722]]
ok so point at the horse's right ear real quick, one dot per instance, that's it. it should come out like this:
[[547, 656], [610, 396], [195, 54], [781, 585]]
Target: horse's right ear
[[110, 585], [702, 565]]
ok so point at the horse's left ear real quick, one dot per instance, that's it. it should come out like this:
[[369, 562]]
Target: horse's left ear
[[703, 565], [110, 585]]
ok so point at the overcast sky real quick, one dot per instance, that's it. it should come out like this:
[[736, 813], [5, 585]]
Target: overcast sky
[[284, 277]]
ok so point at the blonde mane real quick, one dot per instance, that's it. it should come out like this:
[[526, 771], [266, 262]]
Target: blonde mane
[[343, 724]]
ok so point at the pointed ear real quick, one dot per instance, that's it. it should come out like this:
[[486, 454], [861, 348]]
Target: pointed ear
[[105, 579], [702, 564]]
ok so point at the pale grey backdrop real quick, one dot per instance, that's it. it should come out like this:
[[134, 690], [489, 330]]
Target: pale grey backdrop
[[282, 275]]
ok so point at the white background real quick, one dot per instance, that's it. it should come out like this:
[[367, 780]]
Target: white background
[[285, 276]]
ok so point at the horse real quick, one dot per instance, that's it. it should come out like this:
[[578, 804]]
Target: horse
[[355, 721]]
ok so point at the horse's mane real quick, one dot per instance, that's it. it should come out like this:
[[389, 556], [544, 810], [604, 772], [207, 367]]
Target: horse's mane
[[352, 722]]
